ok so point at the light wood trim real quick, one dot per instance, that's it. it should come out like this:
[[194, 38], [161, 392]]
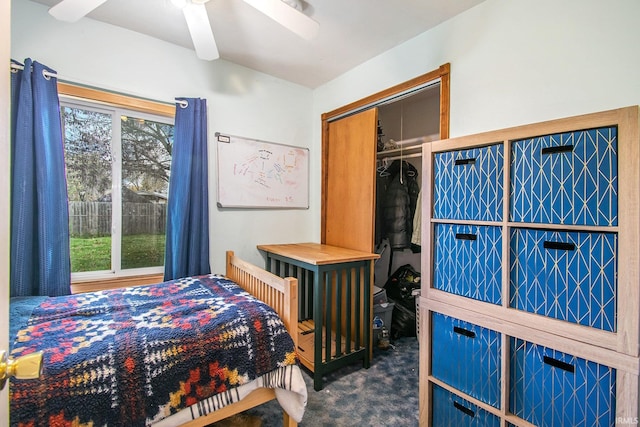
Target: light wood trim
[[628, 298], [133, 103], [317, 253], [324, 180], [253, 399], [592, 351], [445, 99], [627, 403], [518, 323], [119, 282], [521, 319], [443, 70], [586, 121], [424, 390], [476, 402], [505, 374], [426, 228]]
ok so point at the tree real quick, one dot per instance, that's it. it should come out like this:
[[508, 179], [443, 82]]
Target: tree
[[146, 154], [87, 153]]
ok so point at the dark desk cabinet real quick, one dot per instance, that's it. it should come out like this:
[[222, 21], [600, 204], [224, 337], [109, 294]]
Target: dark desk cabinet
[[335, 293]]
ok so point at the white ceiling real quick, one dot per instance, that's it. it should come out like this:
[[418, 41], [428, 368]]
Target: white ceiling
[[351, 31]]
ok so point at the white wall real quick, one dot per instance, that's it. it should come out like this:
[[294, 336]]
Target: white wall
[[513, 62], [240, 102]]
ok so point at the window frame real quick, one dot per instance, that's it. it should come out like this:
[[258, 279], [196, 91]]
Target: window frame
[[116, 104]]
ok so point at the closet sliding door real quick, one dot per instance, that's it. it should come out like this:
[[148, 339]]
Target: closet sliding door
[[349, 145], [349, 159]]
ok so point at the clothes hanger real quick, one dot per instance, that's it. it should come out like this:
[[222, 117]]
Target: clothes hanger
[[382, 169]]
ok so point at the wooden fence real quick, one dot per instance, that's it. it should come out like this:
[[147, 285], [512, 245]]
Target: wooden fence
[[93, 219]]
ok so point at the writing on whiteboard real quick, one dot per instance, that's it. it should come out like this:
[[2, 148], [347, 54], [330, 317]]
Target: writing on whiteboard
[[255, 173]]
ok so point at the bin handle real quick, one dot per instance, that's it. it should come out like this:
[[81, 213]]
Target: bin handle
[[463, 409], [466, 236], [559, 364], [463, 162], [561, 246], [557, 149], [461, 331]]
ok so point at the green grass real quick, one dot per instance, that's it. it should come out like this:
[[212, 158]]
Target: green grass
[[94, 253]]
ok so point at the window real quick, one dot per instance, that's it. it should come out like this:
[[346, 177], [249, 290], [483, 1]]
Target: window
[[118, 166]]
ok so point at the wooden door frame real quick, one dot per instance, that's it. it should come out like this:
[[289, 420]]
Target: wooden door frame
[[443, 73]]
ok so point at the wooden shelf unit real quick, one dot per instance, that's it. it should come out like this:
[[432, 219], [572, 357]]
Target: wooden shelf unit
[[551, 328]]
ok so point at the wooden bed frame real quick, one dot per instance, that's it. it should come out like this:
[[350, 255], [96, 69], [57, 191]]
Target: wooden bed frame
[[282, 295]]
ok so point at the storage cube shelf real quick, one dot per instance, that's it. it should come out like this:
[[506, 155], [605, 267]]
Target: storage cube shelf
[[565, 275], [468, 261], [468, 184], [566, 178], [473, 353], [531, 274], [549, 387], [450, 410]]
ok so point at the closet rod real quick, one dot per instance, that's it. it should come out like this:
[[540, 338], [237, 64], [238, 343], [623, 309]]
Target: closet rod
[[406, 156], [48, 74]]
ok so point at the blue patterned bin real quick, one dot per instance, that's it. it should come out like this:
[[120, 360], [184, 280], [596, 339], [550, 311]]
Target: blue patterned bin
[[553, 389], [566, 178], [467, 357], [569, 276], [468, 184], [449, 410], [468, 261]]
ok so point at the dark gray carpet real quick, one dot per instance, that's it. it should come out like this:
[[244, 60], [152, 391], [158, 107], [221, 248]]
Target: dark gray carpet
[[386, 394]]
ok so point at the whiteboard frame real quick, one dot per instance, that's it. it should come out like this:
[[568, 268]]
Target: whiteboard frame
[[303, 203]]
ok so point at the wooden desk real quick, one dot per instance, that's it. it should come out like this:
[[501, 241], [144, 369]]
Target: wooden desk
[[335, 302]]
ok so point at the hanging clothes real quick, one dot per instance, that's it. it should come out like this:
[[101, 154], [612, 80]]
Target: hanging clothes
[[399, 199], [40, 253], [416, 236], [187, 242]]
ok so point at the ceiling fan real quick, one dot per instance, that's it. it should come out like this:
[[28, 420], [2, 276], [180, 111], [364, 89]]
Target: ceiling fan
[[287, 13]]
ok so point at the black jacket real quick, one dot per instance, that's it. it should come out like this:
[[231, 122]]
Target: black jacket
[[398, 191]]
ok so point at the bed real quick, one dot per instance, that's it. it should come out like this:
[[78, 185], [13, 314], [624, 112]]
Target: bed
[[187, 352]]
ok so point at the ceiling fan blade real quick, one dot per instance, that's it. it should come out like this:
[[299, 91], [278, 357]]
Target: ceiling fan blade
[[73, 10], [287, 16], [201, 33]]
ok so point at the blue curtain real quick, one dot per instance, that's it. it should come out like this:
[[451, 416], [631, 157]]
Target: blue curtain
[[40, 263], [187, 244]]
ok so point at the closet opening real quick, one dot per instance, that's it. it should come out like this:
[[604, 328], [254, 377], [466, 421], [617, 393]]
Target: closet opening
[[372, 170]]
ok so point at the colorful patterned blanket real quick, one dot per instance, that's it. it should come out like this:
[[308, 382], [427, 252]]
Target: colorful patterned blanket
[[131, 356]]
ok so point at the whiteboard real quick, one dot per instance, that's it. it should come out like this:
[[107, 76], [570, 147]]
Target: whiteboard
[[260, 174]]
